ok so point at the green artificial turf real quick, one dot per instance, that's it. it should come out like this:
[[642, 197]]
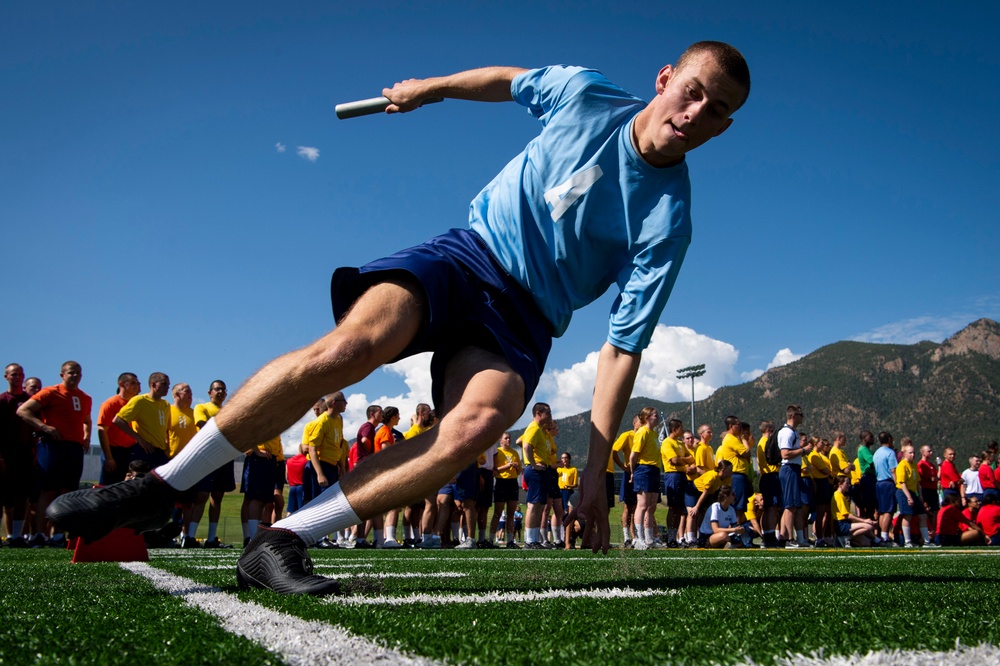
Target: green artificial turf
[[729, 607]]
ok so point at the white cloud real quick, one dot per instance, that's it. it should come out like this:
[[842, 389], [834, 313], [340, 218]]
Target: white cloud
[[307, 152], [783, 357], [570, 390], [280, 147], [917, 329]]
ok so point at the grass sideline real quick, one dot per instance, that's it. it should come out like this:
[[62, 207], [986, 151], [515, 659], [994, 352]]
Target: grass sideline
[[710, 606]]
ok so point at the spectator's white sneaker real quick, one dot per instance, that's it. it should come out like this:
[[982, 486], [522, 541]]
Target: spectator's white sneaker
[[391, 543], [467, 544]]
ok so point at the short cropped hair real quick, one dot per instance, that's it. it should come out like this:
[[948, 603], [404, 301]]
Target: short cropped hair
[[156, 378], [372, 410], [540, 408], [732, 421], [730, 61], [792, 410], [126, 377], [884, 437], [673, 425]]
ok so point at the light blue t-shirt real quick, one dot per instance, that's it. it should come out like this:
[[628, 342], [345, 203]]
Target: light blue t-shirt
[[885, 463], [579, 210]]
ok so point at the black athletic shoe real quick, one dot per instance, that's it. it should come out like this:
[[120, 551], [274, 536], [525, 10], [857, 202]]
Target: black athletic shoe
[[38, 541], [215, 543], [58, 543], [141, 504], [277, 559], [325, 544], [190, 542], [18, 542]]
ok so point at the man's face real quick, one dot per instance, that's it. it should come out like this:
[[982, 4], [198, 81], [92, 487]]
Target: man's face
[[797, 419], [692, 105], [14, 374], [160, 388], [689, 440], [183, 396], [217, 393], [706, 435], [926, 452], [32, 386], [564, 460], [71, 376], [338, 404], [545, 418], [505, 440], [974, 463], [130, 388], [653, 421], [908, 453], [949, 455], [376, 415]]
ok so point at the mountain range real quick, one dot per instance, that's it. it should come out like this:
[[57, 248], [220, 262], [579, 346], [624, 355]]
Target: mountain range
[[945, 394]]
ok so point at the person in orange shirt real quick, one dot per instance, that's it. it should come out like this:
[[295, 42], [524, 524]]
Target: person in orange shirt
[[116, 446], [385, 437], [60, 415]]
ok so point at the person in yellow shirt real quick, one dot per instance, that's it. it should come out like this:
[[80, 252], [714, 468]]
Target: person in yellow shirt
[[257, 485], [179, 433], [819, 470], [535, 447], [704, 457], [738, 453], [645, 463], [707, 485], [419, 517], [567, 479], [555, 510], [770, 488], [213, 487], [690, 493], [506, 467], [676, 459], [146, 419], [908, 498], [852, 530], [839, 464], [626, 496]]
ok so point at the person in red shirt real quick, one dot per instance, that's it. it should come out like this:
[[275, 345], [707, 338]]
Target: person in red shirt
[[951, 479], [116, 446], [294, 468], [17, 457], [986, 477], [928, 473], [954, 528], [60, 415], [988, 519]]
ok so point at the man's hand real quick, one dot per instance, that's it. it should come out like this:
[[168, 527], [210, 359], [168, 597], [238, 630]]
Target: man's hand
[[406, 95], [52, 432], [146, 446], [109, 465], [594, 509]]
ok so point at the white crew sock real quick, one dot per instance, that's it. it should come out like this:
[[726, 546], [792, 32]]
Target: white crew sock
[[800, 536], [640, 532], [625, 533], [562, 532], [885, 536], [208, 450], [534, 535], [456, 532], [252, 527], [907, 534], [213, 529], [327, 513], [390, 533], [691, 537], [925, 534], [192, 530]]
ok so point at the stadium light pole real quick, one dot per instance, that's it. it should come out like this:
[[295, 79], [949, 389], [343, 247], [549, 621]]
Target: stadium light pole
[[691, 371]]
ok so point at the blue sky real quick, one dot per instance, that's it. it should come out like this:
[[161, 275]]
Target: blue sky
[[150, 221]]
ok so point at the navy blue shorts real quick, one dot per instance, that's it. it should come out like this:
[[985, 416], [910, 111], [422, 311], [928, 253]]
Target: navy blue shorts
[[991, 492], [885, 496], [310, 481], [646, 479], [537, 482], [806, 490], [122, 456], [447, 489], [60, 464], [609, 488], [485, 497], [154, 459], [843, 528], [949, 540], [866, 497], [673, 486], [626, 494], [770, 489], [471, 301], [258, 478], [824, 492], [552, 483], [931, 500], [791, 493], [691, 494], [279, 475], [564, 495], [742, 490], [296, 498], [905, 509], [506, 490], [467, 484]]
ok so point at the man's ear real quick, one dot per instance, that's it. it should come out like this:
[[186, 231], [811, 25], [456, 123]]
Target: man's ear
[[662, 77], [729, 121]]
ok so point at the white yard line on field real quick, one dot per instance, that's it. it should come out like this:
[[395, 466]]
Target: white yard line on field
[[500, 597], [296, 641], [980, 655]]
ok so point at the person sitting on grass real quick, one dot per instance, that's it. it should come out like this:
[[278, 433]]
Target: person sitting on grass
[[988, 519], [708, 484], [721, 525], [753, 513], [954, 528], [851, 529]]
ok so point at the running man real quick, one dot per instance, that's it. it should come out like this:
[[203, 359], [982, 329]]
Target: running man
[[600, 197]]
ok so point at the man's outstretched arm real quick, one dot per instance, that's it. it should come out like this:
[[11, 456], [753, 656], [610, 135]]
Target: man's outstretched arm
[[488, 84], [616, 372]]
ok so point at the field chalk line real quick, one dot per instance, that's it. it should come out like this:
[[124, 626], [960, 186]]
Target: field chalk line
[[297, 641]]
